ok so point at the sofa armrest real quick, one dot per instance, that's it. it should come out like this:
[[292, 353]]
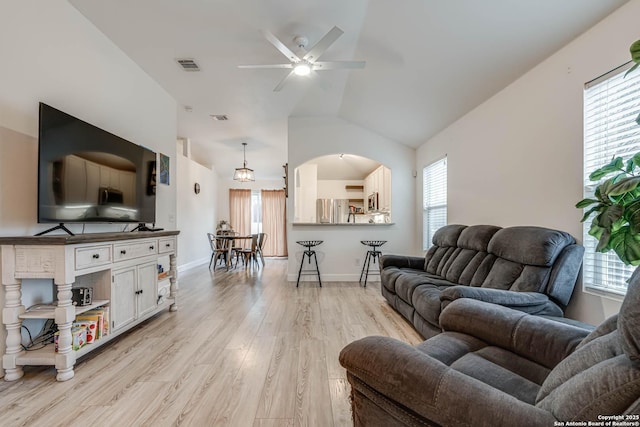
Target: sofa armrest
[[542, 340], [402, 261], [431, 389], [528, 302], [564, 274]]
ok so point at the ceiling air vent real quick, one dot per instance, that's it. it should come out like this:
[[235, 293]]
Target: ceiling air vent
[[188, 64], [219, 117]]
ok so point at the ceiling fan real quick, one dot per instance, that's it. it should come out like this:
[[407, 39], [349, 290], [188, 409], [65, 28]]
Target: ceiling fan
[[306, 61]]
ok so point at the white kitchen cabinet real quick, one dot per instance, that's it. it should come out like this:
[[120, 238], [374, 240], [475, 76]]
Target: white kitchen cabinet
[[379, 181]]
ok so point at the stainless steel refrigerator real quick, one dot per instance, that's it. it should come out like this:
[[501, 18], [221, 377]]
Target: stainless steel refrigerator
[[332, 211]]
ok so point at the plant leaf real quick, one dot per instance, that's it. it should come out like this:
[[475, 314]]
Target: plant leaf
[[588, 213], [616, 164], [630, 165], [603, 199], [636, 159], [609, 216], [626, 244], [603, 241], [604, 189], [632, 214], [586, 202], [625, 185], [634, 49], [631, 69]]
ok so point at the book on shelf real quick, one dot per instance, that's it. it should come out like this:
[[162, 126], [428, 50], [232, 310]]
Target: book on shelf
[[101, 317]]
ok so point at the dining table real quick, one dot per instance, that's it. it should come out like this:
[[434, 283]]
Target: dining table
[[232, 238]]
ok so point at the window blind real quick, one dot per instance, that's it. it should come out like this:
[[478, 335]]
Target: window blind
[[434, 200], [611, 105]]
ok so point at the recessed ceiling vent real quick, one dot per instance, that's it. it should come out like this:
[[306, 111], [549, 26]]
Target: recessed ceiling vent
[[219, 117], [188, 64]]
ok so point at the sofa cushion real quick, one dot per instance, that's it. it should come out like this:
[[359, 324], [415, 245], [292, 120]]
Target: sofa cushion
[[426, 301], [459, 262], [477, 237], [444, 241], [497, 376], [448, 235], [529, 245], [492, 365], [406, 285], [463, 266], [388, 277]]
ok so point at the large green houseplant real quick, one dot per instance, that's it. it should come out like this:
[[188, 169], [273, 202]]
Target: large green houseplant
[[615, 208], [616, 223]]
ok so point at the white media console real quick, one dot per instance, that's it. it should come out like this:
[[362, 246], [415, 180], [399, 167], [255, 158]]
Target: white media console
[[122, 269]]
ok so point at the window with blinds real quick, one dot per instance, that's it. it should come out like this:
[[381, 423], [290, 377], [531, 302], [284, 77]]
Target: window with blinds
[[434, 200], [611, 105]]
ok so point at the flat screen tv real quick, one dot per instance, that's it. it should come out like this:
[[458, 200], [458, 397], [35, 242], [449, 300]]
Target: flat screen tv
[[88, 175]]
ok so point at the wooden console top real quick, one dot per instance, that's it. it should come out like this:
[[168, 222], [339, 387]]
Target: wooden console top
[[65, 239]]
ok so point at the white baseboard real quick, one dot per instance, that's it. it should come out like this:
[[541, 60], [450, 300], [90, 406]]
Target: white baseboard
[[193, 264]]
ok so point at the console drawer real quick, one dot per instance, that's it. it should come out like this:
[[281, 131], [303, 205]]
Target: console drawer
[[126, 251], [166, 245], [92, 256]]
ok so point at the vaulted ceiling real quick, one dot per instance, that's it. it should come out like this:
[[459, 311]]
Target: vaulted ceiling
[[428, 62]]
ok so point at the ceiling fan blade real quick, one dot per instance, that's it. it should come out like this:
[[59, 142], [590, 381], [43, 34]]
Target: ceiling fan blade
[[267, 66], [316, 51], [283, 81], [336, 65], [280, 46]]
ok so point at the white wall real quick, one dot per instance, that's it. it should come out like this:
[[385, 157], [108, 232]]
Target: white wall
[[340, 256], [517, 158], [51, 53], [304, 182], [196, 212]]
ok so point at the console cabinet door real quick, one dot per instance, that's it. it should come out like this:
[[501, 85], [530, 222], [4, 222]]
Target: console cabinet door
[[123, 297], [147, 296]]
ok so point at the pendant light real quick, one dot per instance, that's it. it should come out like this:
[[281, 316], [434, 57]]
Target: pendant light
[[244, 174]]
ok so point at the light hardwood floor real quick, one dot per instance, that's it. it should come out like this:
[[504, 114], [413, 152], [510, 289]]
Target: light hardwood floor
[[245, 348]]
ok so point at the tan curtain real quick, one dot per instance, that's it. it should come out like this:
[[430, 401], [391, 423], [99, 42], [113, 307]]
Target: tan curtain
[[240, 211], [274, 222]]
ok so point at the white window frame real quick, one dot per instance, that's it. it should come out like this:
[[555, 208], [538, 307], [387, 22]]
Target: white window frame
[[434, 200], [611, 105]]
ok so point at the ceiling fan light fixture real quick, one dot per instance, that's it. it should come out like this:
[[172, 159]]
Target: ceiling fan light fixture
[[302, 69], [244, 174]]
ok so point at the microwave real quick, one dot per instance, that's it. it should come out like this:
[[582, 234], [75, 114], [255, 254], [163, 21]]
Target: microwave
[[372, 203]]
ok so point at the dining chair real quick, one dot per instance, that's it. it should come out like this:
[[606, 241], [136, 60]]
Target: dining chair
[[223, 252], [262, 237], [249, 254], [212, 244], [236, 250]]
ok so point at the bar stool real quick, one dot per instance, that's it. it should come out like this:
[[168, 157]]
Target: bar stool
[[372, 254], [308, 253]]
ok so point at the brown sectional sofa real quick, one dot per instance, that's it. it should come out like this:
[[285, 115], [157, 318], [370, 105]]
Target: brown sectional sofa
[[530, 269]]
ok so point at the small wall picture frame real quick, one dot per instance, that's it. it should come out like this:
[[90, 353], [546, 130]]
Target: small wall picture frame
[[164, 169], [196, 188]]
